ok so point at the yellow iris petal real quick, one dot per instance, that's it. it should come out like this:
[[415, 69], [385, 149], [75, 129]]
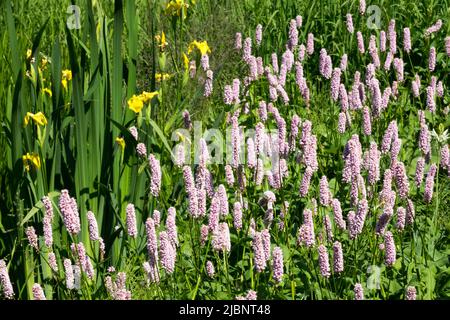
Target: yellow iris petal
[[147, 96], [201, 46], [47, 91], [121, 143], [39, 118], [174, 7], [33, 159], [135, 103], [67, 74], [185, 61], [163, 38], [44, 62], [162, 76]]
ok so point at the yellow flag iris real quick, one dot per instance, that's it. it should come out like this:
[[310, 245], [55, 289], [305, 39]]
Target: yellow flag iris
[[202, 46], [31, 159], [147, 96], [44, 62], [185, 61], [135, 103], [66, 76], [174, 7], [39, 118], [47, 91], [121, 143], [161, 39], [162, 76]]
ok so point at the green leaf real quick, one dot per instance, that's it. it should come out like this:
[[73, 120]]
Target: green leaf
[[38, 206], [161, 136]]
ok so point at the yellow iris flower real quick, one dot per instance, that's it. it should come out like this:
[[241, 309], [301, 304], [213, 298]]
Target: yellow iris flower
[[162, 76], [202, 46], [47, 91], [44, 62], [39, 118], [66, 76], [121, 143], [147, 96], [33, 159], [29, 52], [185, 61], [174, 7], [161, 39], [135, 103]]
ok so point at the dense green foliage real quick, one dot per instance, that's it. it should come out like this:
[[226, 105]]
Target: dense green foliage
[[116, 54]]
